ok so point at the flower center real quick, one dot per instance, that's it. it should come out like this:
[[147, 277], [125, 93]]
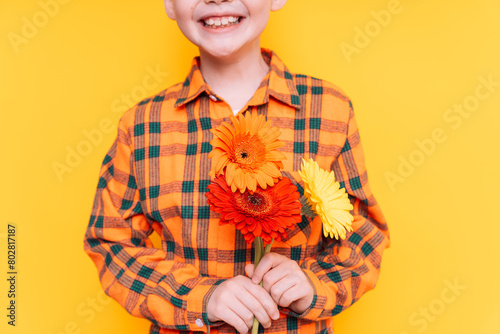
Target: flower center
[[258, 204], [249, 151], [245, 153], [255, 200]]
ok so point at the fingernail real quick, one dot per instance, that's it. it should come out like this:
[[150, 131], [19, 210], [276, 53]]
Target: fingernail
[[276, 316], [254, 280]]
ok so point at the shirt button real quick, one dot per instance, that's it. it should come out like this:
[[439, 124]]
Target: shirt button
[[213, 98], [199, 323]]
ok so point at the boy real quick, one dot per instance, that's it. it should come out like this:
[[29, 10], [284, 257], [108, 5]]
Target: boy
[[154, 178]]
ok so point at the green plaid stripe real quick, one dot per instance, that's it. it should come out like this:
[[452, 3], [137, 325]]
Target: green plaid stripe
[[154, 158], [203, 207], [189, 176], [315, 116], [299, 124], [139, 149]]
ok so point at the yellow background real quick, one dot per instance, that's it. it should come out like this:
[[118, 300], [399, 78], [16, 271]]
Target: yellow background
[[77, 68]]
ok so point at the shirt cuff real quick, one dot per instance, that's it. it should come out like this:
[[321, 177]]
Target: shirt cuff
[[197, 301], [191, 316]]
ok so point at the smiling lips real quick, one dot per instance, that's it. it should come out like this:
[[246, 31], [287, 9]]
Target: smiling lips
[[221, 22]]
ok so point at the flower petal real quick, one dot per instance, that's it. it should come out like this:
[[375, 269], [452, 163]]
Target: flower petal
[[326, 198], [246, 152], [267, 213]]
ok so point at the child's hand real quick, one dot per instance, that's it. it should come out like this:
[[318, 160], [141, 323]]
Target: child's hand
[[284, 280], [237, 300]]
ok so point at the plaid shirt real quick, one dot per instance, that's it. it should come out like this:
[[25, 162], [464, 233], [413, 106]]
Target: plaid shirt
[[154, 178]]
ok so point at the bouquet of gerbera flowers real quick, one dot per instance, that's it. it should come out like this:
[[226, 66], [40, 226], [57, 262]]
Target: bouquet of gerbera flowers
[[249, 191]]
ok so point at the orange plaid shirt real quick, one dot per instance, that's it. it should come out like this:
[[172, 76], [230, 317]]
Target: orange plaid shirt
[[154, 178]]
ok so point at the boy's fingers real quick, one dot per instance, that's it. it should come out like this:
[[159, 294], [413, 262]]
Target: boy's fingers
[[269, 261], [290, 295], [249, 268], [240, 307], [273, 276], [279, 289], [255, 308], [236, 321], [265, 300]]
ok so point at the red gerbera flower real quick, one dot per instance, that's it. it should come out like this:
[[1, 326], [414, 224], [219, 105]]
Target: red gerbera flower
[[265, 213]]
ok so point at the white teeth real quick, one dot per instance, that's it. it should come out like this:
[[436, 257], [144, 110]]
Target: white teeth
[[221, 21]]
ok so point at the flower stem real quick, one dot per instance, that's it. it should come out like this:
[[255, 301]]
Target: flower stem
[[268, 247], [260, 251]]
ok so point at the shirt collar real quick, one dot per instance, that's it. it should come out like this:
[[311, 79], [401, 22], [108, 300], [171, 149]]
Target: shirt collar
[[278, 83]]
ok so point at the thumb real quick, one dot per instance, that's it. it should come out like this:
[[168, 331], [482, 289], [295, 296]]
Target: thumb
[[249, 268]]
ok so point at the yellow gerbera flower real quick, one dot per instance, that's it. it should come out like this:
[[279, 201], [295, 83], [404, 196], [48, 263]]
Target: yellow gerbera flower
[[326, 199], [246, 152]]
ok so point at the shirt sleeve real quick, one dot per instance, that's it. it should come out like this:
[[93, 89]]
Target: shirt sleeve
[[140, 277], [344, 270]]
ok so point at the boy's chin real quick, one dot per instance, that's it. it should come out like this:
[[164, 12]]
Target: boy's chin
[[228, 52], [221, 53]]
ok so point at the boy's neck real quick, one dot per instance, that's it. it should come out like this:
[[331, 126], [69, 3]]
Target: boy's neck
[[236, 78]]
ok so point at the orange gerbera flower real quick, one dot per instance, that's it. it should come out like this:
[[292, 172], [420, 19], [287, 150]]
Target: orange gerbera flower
[[265, 213], [246, 152]]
